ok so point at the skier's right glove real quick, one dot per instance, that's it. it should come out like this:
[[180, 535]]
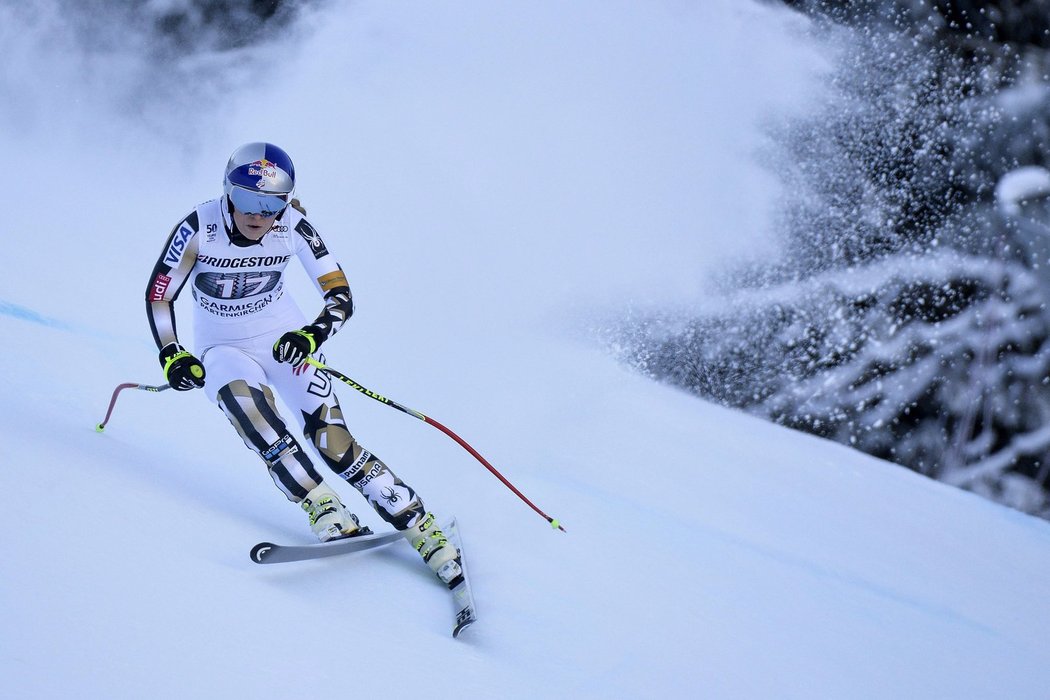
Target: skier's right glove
[[182, 370]]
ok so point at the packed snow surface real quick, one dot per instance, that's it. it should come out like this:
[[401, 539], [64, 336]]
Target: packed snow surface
[[492, 175]]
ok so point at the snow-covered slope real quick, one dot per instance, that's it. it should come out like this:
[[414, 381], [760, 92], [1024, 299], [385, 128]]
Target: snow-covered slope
[[490, 175]]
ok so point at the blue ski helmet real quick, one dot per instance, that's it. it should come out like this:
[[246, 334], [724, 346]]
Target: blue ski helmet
[[260, 179]]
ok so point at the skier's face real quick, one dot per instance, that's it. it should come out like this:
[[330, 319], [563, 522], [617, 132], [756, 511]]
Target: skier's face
[[253, 226]]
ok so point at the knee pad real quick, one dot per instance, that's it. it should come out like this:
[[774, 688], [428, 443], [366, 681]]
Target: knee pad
[[327, 430]]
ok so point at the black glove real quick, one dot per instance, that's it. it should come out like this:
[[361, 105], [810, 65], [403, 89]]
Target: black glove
[[182, 370], [294, 346]]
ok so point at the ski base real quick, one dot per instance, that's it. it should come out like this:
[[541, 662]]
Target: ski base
[[462, 595], [270, 553]]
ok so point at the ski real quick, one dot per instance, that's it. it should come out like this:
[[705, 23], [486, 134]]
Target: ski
[[270, 553], [462, 596]]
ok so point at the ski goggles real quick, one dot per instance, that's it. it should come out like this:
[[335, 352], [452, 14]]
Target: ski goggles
[[261, 203]]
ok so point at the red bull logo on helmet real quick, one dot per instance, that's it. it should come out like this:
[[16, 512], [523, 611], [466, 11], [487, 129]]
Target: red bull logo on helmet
[[263, 168]]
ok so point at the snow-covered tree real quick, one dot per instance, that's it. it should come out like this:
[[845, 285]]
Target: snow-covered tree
[[908, 317]]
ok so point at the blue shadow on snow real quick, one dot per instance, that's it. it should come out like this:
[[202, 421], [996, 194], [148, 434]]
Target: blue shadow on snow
[[21, 312]]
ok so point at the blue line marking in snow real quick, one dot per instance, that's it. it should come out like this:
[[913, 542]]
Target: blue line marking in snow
[[21, 312]]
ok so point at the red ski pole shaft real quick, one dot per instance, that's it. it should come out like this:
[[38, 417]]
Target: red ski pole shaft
[[116, 392], [430, 421]]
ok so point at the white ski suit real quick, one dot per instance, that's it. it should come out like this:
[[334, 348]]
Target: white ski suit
[[240, 309]]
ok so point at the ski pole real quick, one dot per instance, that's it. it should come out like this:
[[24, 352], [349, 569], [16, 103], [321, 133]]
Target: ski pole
[[430, 421], [121, 387]]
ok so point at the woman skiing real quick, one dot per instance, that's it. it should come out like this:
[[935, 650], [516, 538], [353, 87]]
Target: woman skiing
[[252, 339]]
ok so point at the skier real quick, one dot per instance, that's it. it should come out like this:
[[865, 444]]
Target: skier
[[251, 338]]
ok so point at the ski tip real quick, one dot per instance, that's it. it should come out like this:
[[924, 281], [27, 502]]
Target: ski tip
[[260, 551], [460, 627]]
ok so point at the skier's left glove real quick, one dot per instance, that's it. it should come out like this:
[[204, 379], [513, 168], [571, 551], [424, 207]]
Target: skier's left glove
[[294, 346]]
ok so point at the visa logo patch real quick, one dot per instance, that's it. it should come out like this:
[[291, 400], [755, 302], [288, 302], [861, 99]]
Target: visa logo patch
[[178, 245]]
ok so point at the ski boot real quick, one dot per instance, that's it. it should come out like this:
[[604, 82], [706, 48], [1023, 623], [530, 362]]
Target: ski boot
[[329, 518], [439, 554]]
